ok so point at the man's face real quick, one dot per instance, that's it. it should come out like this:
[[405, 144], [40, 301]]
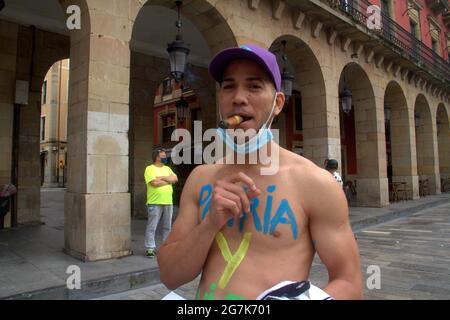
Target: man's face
[[247, 90], [162, 154]]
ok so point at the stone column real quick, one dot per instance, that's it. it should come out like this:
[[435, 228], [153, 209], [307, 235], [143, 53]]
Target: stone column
[[8, 37], [368, 100], [444, 144], [427, 152], [321, 137], [97, 203]]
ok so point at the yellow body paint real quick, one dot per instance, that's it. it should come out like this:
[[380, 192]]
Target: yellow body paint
[[233, 261]]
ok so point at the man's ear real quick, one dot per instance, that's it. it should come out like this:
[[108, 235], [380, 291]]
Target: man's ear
[[279, 104]]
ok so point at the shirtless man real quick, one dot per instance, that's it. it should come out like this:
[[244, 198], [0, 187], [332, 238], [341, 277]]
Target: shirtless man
[[246, 232]]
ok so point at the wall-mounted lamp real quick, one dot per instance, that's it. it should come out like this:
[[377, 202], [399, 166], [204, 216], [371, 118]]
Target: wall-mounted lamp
[[387, 112], [178, 50], [417, 119], [438, 126], [287, 78], [346, 97]]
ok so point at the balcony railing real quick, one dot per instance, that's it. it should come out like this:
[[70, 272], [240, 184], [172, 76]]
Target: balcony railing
[[438, 6], [446, 18], [402, 41]]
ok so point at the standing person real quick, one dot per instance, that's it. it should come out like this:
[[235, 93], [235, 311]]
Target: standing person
[[159, 179], [252, 235], [5, 197], [332, 166]]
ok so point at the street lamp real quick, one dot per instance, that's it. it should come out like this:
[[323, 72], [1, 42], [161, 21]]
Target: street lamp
[[438, 126], [182, 107], [346, 97], [287, 78], [178, 50], [387, 113], [417, 119]]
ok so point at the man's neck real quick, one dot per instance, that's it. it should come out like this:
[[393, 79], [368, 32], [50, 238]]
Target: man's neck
[[159, 164], [257, 159]]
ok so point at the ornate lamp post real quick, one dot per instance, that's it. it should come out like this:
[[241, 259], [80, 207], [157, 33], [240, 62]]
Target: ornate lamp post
[[178, 50], [346, 97]]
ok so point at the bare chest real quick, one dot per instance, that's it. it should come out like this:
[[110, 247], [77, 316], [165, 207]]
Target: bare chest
[[277, 212]]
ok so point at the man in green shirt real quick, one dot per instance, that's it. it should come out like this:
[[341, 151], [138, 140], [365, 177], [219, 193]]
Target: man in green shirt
[[159, 179]]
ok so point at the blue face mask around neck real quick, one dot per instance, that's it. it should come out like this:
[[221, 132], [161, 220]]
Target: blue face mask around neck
[[263, 136]]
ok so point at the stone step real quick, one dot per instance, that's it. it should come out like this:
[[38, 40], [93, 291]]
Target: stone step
[[94, 288], [359, 225]]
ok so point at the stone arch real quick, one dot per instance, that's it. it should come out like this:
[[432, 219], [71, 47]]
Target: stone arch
[[426, 146], [400, 161], [207, 31], [359, 137], [443, 138], [38, 50], [209, 21], [311, 101]]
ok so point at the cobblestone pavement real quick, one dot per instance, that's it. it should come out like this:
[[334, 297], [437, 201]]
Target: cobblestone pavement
[[412, 253]]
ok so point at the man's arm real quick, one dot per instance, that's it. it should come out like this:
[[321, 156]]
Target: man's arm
[[333, 237], [171, 179], [158, 182], [183, 254]]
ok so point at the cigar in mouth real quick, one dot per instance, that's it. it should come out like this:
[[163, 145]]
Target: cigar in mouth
[[230, 122]]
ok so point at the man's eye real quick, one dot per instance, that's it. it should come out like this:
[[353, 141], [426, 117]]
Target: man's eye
[[228, 86], [255, 86]]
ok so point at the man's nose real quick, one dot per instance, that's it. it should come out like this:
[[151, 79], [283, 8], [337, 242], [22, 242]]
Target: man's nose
[[240, 96]]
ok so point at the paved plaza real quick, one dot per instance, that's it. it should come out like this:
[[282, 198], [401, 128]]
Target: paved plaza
[[412, 253]]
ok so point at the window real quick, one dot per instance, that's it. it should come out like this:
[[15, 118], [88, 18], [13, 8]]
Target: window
[[167, 87], [448, 48], [298, 121], [414, 18], [386, 12], [414, 44], [196, 115], [168, 125], [434, 46], [413, 27], [348, 5], [435, 35], [385, 7], [44, 92], [42, 133]]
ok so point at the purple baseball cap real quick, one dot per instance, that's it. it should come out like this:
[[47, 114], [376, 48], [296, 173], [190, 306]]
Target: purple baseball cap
[[264, 58]]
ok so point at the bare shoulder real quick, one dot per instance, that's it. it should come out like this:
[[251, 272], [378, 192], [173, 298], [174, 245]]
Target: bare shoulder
[[304, 169], [200, 175], [318, 187], [189, 201]]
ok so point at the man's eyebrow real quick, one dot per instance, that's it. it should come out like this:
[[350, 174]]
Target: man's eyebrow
[[255, 78], [251, 78], [227, 79]]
